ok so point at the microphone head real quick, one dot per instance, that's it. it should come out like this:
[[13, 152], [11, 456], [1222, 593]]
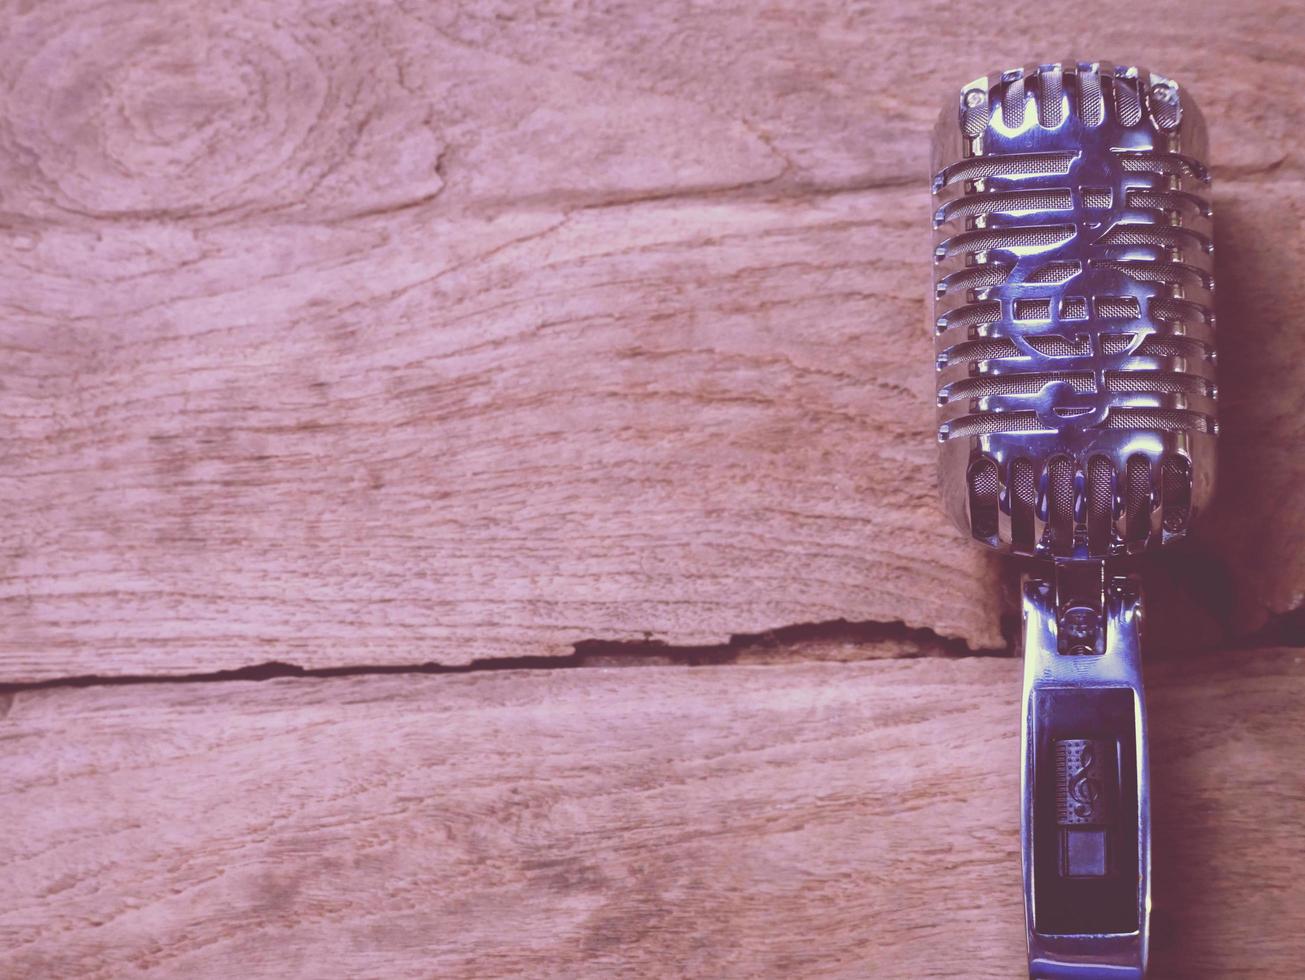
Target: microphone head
[[1074, 310]]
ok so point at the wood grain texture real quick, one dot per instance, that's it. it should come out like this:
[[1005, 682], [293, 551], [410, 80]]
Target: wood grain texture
[[816, 820], [336, 333]]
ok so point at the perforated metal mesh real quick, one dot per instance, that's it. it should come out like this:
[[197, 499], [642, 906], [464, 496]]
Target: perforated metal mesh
[[1022, 383], [1154, 271], [1128, 104], [1050, 88], [1026, 237], [1039, 200], [1091, 105], [1156, 382], [1166, 308], [975, 313], [986, 423], [1055, 272], [1100, 504], [1007, 164], [974, 118], [1012, 102], [1032, 309], [1060, 504], [1163, 237], [1023, 502], [1160, 419], [978, 277], [1170, 251], [981, 350], [1053, 345], [1154, 346], [1166, 107], [1118, 307], [1137, 499], [1163, 201], [1176, 493], [1168, 164], [1073, 308], [982, 478]]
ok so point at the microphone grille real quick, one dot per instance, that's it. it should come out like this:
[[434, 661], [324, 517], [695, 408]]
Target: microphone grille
[[1073, 309]]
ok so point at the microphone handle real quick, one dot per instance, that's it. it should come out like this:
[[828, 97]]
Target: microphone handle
[[1085, 824]]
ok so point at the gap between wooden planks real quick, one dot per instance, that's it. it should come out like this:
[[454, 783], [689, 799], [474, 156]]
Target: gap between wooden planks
[[818, 820]]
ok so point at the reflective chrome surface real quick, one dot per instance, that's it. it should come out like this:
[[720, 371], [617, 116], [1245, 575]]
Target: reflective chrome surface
[[1073, 228], [1084, 956], [1074, 320]]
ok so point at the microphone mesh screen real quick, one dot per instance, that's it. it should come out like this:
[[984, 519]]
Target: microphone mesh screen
[[1127, 101], [1167, 164], [1164, 308], [1012, 103], [1052, 345], [1176, 492], [1032, 309], [1164, 419], [1060, 504], [974, 119], [1055, 272], [966, 316], [1032, 236], [1091, 105], [1164, 201], [1166, 109], [988, 203], [1101, 504], [1000, 165], [1135, 234], [981, 350], [1146, 270], [983, 498], [1023, 503], [1019, 384], [1097, 197], [1164, 382], [1162, 346], [1073, 308], [986, 423], [1118, 307], [1137, 499], [988, 274], [1050, 88]]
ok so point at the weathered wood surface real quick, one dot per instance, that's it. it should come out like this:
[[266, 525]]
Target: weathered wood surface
[[825, 820], [336, 333]]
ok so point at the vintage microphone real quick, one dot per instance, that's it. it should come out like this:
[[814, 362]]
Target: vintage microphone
[[1074, 318]]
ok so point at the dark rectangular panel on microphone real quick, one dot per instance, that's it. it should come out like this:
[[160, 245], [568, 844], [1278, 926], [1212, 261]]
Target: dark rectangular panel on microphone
[[1085, 838]]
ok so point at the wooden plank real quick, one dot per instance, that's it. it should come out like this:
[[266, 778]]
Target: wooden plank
[[811, 820], [334, 333]]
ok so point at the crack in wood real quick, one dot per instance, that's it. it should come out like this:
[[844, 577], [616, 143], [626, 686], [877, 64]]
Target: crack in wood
[[834, 640], [837, 640]]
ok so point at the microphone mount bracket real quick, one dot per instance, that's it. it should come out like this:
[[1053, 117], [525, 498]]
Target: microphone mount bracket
[[1085, 821]]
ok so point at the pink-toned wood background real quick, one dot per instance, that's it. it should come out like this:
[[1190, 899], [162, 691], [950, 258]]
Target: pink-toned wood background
[[361, 337]]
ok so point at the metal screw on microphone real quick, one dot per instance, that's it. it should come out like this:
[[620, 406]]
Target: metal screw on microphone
[[1074, 324]]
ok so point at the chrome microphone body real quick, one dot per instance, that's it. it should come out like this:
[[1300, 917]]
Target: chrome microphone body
[[1074, 324]]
